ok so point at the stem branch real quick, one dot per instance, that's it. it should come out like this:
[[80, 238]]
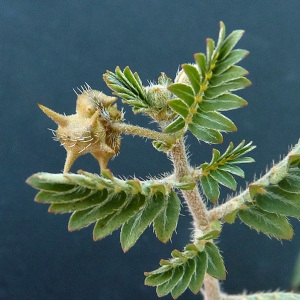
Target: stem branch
[[143, 132]]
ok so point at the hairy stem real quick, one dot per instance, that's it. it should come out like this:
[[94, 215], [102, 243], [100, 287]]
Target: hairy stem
[[197, 209], [212, 288], [143, 132], [192, 197]]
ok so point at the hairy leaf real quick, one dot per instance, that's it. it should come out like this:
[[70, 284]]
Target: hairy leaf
[[166, 221], [213, 120], [215, 91], [234, 57], [198, 276], [274, 199], [106, 226], [182, 91], [224, 178], [183, 283], [229, 43], [76, 194], [175, 126], [94, 199], [179, 107], [215, 265], [134, 227], [205, 134], [224, 102], [234, 72], [201, 62], [291, 183], [210, 188], [83, 218], [268, 223], [169, 285], [194, 77]]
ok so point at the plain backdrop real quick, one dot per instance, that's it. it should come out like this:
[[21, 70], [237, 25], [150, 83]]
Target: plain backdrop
[[47, 48]]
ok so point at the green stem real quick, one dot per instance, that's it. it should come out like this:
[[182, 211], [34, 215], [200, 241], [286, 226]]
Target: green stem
[[143, 132]]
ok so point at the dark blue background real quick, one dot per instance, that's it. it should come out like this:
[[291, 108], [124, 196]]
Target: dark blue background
[[49, 47]]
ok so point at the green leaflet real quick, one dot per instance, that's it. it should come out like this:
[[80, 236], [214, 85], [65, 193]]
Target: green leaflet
[[50, 182], [224, 102], [183, 283], [159, 276], [135, 226], [194, 77], [179, 107], [166, 221], [169, 285], [230, 168], [276, 200], [210, 188], [291, 183], [200, 60], [106, 226], [76, 194], [234, 57], [210, 45], [213, 120], [215, 265], [224, 178], [92, 200], [215, 91], [83, 218], [229, 43], [182, 91], [268, 223], [205, 134], [198, 276], [175, 126], [234, 72]]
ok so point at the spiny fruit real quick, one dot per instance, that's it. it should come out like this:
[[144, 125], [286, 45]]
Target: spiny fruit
[[89, 130]]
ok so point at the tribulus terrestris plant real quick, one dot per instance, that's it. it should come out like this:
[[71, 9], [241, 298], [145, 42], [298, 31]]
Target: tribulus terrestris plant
[[193, 102]]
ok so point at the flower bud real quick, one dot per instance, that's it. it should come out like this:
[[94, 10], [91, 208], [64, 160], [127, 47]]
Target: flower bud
[[157, 96]]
